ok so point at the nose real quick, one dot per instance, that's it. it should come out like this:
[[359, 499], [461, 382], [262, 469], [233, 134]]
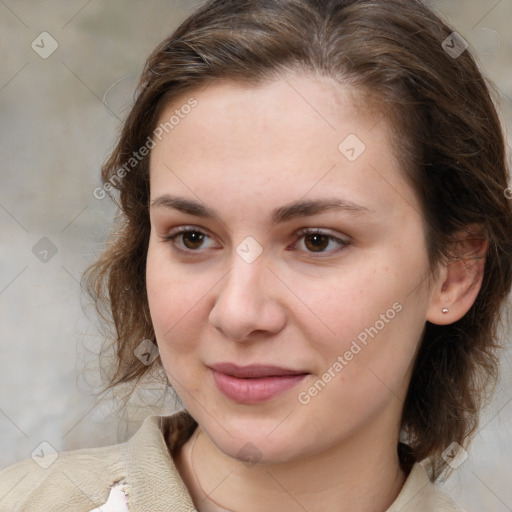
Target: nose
[[247, 305]]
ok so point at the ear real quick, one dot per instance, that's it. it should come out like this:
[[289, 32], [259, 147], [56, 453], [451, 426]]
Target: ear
[[460, 278]]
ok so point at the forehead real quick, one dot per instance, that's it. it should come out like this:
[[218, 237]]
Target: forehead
[[278, 141]]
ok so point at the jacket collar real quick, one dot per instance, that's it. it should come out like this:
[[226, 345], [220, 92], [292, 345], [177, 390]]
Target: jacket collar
[[154, 479]]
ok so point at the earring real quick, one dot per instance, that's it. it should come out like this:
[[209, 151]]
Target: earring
[[445, 310]]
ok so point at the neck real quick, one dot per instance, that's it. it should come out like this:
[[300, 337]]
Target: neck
[[356, 475]]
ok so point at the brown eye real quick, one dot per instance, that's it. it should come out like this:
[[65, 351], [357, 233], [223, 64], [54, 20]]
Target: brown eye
[[189, 240], [316, 242], [192, 239]]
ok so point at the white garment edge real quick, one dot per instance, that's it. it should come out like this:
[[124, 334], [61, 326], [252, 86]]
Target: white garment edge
[[117, 500]]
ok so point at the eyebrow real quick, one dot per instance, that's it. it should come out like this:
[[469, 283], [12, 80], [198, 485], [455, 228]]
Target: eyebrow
[[282, 214]]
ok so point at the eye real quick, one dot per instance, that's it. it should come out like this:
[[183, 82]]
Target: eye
[[188, 239], [318, 241]]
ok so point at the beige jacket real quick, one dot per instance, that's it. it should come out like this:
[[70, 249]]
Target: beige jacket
[[141, 472]]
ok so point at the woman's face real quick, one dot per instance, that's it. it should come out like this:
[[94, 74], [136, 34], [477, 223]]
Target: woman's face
[[303, 248]]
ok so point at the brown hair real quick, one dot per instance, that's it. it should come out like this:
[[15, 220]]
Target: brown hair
[[448, 138]]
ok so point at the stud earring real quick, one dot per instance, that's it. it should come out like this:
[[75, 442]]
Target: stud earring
[[445, 310]]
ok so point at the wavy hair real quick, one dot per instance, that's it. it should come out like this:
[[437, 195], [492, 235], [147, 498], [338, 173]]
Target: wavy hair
[[448, 139]]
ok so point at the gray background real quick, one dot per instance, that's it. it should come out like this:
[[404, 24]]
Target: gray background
[[55, 131]]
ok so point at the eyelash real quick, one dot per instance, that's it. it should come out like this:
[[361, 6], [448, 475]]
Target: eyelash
[[303, 232]]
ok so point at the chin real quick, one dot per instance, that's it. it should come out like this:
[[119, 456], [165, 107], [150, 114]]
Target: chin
[[254, 445]]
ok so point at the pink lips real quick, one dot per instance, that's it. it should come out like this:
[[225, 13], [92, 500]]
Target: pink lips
[[253, 384]]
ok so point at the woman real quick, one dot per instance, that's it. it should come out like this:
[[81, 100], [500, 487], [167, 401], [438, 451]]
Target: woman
[[315, 231]]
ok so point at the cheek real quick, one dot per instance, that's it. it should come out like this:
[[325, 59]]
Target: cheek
[[349, 300], [173, 304], [171, 295], [364, 372], [178, 304], [369, 316]]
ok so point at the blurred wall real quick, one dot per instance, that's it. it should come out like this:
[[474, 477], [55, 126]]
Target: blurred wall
[[67, 74]]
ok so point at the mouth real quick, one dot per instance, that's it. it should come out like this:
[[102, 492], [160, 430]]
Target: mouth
[[255, 371], [256, 383]]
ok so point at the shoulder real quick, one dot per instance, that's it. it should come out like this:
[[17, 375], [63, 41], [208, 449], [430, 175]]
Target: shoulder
[[82, 480], [79, 477], [419, 494]]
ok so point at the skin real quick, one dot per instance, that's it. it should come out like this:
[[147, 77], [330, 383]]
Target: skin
[[245, 151]]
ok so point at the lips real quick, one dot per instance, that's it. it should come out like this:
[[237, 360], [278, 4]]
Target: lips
[[254, 371], [253, 384]]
